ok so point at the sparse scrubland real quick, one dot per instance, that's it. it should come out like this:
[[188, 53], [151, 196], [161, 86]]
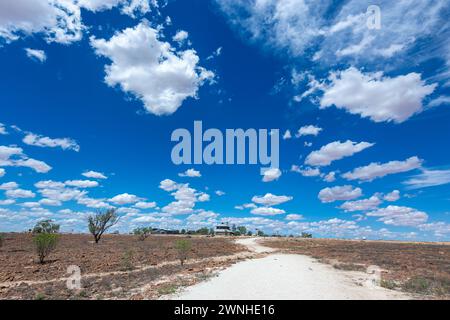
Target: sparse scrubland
[[118, 264], [417, 268]]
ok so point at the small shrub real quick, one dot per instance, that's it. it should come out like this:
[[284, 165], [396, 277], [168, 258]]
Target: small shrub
[[127, 261], [388, 284], [167, 289], [2, 239], [39, 296], [417, 285], [45, 243], [46, 226], [142, 233], [183, 247]]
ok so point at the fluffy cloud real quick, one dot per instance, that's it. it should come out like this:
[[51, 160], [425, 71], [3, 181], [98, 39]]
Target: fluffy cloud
[[330, 177], [191, 173], [362, 205], [185, 197], [400, 216], [94, 175], [41, 141], [308, 131], [267, 211], [180, 36], [58, 20], [271, 200], [379, 98], [335, 151], [145, 205], [93, 203], [294, 217], [36, 165], [328, 195], [14, 156], [307, 172], [7, 202], [271, 175], [81, 183], [50, 202], [428, 178], [61, 193], [128, 7], [151, 69], [9, 185], [377, 170], [36, 54], [20, 193], [440, 229], [49, 184], [220, 193], [392, 196], [125, 198]]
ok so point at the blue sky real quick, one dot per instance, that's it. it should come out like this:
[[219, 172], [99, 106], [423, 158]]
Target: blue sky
[[91, 91]]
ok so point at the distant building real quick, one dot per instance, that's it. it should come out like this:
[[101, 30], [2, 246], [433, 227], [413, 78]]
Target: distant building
[[223, 229]]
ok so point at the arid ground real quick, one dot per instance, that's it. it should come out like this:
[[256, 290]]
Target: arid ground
[[418, 268], [114, 268], [122, 267]]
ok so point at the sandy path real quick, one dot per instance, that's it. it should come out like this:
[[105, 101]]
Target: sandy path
[[285, 276]]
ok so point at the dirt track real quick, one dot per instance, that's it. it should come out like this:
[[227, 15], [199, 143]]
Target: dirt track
[[286, 276]]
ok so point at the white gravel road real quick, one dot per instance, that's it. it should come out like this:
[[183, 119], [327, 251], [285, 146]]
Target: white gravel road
[[285, 276]]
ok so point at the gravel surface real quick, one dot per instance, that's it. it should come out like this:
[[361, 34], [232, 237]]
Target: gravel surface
[[285, 276]]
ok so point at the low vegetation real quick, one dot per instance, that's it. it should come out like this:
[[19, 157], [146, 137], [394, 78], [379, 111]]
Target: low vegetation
[[2, 239], [45, 238], [183, 246], [142, 233], [45, 243]]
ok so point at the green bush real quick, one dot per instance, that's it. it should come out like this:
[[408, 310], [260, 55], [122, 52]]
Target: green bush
[[142, 233], [183, 247], [45, 243], [46, 226], [2, 239], [127, 261]]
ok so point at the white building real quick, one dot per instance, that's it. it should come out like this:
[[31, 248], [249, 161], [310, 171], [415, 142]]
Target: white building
[[223, 229]]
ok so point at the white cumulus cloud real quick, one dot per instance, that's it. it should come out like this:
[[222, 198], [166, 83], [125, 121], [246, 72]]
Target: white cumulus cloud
[[377, 170], [145, 66], [333, 194], [335, 151]]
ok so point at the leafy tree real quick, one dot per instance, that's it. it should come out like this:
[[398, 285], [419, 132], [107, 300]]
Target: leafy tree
[[249, 233], [45, 243], [46, 226], [242, 230], [102, 221], [260, 233], [233, 228], [203, 231], [142, 233], [183, 247], [306, 235], [183, 231]]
